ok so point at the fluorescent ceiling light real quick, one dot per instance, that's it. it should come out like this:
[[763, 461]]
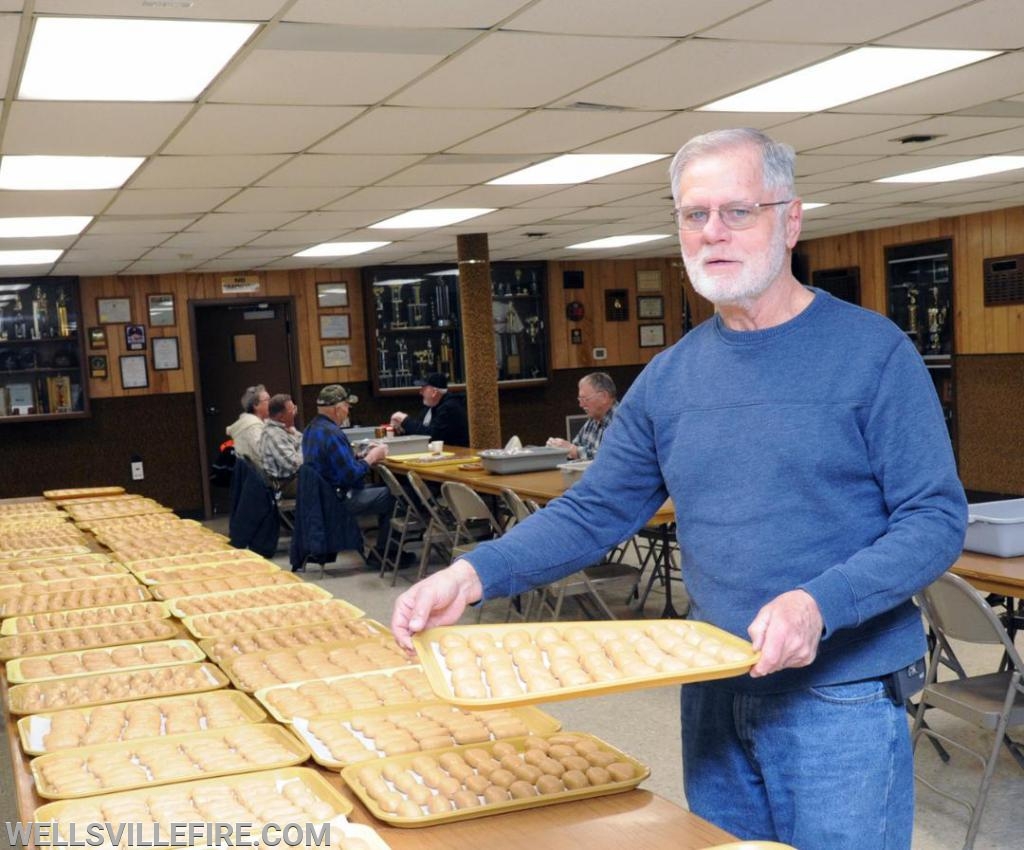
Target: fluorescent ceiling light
[[13, 287], [432, 217], [812, 205], [852, 76], [620, 241], [43, 225], [575, 168], [340, 249], [29, 258], [958, 170], [127, 59], [67, 172]]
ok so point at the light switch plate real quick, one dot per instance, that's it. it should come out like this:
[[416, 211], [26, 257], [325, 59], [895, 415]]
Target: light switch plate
[[137, 474], [600, 353]]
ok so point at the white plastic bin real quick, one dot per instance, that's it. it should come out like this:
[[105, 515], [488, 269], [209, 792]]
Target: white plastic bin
[[996, 528], [573, 470]]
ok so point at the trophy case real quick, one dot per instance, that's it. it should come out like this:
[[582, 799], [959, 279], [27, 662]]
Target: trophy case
[[41, 350], [920, 288], [416, 319]]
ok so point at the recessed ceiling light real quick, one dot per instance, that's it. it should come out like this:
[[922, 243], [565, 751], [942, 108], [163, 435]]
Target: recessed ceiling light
[[958, 170], [575, 168], [66, 172], [432, 217], [340, 249], [620, 241], [43, 225], [851, 76], [29, 258], [127, 58]]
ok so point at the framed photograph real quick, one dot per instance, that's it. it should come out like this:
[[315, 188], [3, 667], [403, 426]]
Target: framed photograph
[[165, 353], [97, 337], [135, 337], [616, 305], [652, 336], [133, 371], [648, 280], [21, 398], [98, 366], [336, 355], [161, 311], [332, 294], [650, 307], [334, 327], [113, 311]]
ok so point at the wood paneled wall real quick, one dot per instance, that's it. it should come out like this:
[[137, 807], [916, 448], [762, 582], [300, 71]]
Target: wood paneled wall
[[299, 284], [977, 329]]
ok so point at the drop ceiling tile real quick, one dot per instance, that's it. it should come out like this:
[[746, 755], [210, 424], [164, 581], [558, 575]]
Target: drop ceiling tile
[[652, 174], [224, 10], [454, 173], [670, 134], [166, 266], [109, 129], [9, 26], [242, 222], [498, 196], [700, 71], [474, 14], [291, 241], [119, 244], [845, 23], [333, 221], [86, 202], [336, 170], [811, 132], [164, 201], [318, 78], [140, 224], [231, 264], [946, 128], [177, 255], [968, 27], [665, 18], [36, 243], [388, 199], [236, 129], [399, 129], [278, 199], [591, 194], [507, 69], [223, 240], [85, 268], [813, 164], [179, 172], [1005, 142]]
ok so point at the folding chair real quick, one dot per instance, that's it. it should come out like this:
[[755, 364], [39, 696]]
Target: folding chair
[[407, 524], [439, 534], [474, 521], [992, 701]]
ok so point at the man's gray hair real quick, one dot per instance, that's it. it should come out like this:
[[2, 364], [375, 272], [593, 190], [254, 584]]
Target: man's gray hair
[[777, 158], [251, 397], [602, 383]]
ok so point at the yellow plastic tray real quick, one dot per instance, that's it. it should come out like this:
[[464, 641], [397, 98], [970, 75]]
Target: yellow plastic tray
[[83, 492], [40, 553], [345, 691], [10, 579], [33, 728], [118, 687], [182, 796], [238, 600], [44, 561], [753, 845], [738, 657], [141, 752], [89, 617], [208, 569], [355, 775], [118, 594], [40, 586], [422, 460], [215, 555], [536, 722], [53, 641], [224, 649], [272, 616], [17, 674], [168, 590], [258, 668]]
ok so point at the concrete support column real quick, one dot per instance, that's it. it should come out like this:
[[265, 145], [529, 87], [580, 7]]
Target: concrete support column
[[478, 341]]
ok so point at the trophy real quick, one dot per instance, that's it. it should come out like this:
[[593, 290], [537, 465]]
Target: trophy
[[20, 330], [3, 327], [40, 314], [442, 304], [396, 307], [378, 301], [383, 372], [417, 311], [63, 327], [912, 315], [402, 374], [534, 289], [424, 361], [445, 366], [936, 323], [532, 329]]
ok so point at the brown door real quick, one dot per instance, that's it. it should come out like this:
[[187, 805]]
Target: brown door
[[238, 344]]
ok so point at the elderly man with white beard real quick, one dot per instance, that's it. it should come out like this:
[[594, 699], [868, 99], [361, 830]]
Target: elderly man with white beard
[[808, 515]]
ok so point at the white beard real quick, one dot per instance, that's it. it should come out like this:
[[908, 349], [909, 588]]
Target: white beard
[[757, 274]]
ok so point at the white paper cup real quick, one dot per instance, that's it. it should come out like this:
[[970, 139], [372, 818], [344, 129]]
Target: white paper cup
[[436, 446]]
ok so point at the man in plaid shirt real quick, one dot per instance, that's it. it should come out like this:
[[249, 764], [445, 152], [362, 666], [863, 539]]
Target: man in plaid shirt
[[598, 399]]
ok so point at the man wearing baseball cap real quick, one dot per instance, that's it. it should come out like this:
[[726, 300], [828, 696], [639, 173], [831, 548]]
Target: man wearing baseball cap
[[326, 448], [443, 416]]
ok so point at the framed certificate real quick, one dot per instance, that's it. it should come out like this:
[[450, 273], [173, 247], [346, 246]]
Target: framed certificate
[[650, 307], [336, 355], [113, 311], [165, 353], [332, 294], [334, 327], [648, 280], [652, 336], [133, 371], [161, 311]]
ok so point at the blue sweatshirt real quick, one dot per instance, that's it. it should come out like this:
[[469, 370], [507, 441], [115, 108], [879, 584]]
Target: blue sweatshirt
[[810, 455]]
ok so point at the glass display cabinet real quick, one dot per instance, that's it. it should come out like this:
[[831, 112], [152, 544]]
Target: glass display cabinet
[[415, 316], [41, 350]]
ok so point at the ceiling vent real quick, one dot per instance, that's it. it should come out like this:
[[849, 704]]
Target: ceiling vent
[[587, 106], [917, 138], [1003, 280]]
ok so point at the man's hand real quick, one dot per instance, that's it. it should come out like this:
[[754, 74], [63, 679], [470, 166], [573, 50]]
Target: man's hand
[[376, 454], [397, 419], [786, 631], [438, 600], [559, 443]]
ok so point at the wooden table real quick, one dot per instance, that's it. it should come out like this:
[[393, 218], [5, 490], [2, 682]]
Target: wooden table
[[1004, 576], [650, 822]]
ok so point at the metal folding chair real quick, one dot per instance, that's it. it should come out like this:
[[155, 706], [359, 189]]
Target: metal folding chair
[[439, 534], [473, 519], [992, 701], [407, 525]]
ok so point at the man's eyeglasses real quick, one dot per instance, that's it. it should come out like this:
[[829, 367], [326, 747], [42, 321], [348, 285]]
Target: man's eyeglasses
[[586, 399], [736, 216]]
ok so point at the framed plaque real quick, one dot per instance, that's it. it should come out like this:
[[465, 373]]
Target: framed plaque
[[161, 311], [135, 337], [133, 371], [332, 294], [165, 353], [652, 336], [616, 305], [334, 327], [98, 337], [650, 307], [98, 366], [113, 311]]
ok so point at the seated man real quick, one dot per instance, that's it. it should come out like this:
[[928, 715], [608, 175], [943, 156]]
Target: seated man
[[597, 398], [326, 448], [281, 444], [247, 429], [443, 416]]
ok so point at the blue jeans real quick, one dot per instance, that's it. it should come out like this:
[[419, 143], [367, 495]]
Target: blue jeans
[[826, 768]]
